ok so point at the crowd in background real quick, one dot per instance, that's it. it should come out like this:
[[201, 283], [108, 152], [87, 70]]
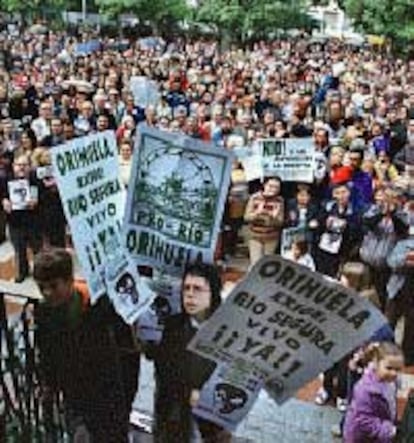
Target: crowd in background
[[355, 104]]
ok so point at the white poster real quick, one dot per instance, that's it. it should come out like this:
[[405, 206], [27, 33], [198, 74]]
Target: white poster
[[19, 193], [166, 302], [288, 236], [253, 167], [288, 323], [144, 90], [291, 159], [129, 294], [228, 395], [87, 174], [176, 198]]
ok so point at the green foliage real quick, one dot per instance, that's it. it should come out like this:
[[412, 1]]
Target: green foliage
[[156, 12], [258, 18], [31, 7], [392, 18]]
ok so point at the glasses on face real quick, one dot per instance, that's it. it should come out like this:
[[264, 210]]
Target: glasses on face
[[196, 288]]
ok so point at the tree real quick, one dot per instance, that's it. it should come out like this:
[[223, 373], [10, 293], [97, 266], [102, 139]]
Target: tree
[[244, 18], [32, 8], [160, 14], [391, 18]]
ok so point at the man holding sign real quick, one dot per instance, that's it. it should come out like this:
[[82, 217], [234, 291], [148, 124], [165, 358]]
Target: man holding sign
[[180, 374], [19, 198]]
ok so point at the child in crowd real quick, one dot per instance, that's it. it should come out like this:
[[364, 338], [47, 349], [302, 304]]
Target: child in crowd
[[372, 414], [299, 253], [354, 275]]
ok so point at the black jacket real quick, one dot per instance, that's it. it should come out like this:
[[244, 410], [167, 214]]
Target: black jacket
[[179, 371]]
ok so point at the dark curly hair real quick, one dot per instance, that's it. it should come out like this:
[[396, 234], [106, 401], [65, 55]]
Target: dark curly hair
[[212, 275]]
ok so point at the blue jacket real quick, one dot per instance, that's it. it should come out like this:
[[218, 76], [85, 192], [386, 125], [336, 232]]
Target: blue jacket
[[361, 190]]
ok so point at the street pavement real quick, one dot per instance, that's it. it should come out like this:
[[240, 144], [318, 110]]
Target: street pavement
[[295, 422]]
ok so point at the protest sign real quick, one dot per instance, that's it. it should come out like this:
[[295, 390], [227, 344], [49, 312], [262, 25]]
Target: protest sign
[[228, 395], [167, 302], [86, 48], [253, 167], [19, 193], [242, 152], [175, 200], [288, 323], [130, 296], [144, 90], [291, 159], [43, 172], [87, 174], [288, 235]]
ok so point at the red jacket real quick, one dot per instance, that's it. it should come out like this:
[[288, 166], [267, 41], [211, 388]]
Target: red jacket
[[340, 174]]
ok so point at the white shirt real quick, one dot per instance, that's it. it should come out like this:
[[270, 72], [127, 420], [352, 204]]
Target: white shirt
[[304, 260]]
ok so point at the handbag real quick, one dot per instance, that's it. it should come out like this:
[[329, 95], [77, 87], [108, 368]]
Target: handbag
[[375, 248]]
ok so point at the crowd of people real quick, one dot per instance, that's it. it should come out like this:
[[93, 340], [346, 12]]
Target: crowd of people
[[355, 104]]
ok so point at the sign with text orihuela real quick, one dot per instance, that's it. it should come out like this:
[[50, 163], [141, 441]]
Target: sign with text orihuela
[[291, 159], [288, 323], [93, 199], [175, 200]]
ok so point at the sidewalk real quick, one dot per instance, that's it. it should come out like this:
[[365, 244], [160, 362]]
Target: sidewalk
[[297, 421]]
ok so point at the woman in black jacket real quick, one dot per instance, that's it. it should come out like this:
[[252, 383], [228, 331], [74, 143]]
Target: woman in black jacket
[[180, 374]]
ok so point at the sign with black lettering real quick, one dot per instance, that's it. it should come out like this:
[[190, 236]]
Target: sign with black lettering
[[288, 323], [291, 159], [86, 171], [175, 199], [87, 176]]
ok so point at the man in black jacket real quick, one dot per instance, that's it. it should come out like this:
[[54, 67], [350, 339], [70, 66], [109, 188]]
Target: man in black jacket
[[180, 374], [19, 199]]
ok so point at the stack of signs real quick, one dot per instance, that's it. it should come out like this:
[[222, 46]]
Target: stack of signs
[[287, 324], [290, 159], [175, 200], [87, 174], [144, 90]]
